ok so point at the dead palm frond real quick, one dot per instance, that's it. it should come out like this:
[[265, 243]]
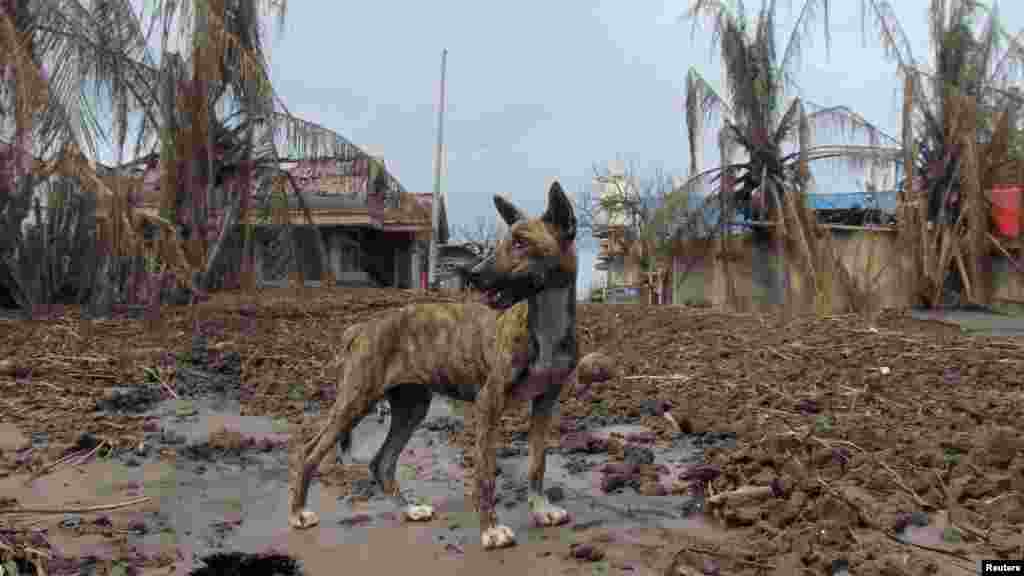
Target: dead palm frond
[[752, 108], [972, 58], [971, 54]]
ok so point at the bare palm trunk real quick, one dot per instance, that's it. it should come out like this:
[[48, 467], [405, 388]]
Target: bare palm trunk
[[725, 214]]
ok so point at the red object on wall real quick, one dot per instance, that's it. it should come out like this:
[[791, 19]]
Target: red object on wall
[[1006, 201], [423, 280]]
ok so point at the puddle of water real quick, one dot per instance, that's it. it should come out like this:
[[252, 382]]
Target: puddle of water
[[203, 506], [196, 420]]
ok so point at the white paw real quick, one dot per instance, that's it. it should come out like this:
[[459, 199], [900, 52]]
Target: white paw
[[497, 537], [546, 514], [550, 516], [417, 513], [304, 519]]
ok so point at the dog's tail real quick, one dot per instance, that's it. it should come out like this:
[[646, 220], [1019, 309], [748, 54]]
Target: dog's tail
[[344, 345]]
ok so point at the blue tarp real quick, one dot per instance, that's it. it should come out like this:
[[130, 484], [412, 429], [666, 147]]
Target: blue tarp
[[884, 201]]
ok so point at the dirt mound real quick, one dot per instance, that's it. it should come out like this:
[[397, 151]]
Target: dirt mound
[[847, 429]]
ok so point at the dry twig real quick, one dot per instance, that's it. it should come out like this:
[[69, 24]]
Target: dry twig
[[84, 510]]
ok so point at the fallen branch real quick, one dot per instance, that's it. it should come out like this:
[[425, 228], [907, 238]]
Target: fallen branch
[[740, 494], [903, 485], [675, 570], [682, 377], [673, 422], [1009, 257], [168, 388], [85, 510], [872, 523], [46, 469]]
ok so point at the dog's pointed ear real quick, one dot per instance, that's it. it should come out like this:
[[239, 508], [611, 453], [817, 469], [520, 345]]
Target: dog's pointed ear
[[560, 212], [509, 212]]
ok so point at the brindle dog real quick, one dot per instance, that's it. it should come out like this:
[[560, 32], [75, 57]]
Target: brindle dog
[[520, 346]]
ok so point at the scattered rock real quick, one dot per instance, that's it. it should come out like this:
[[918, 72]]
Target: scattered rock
[[583, 442], [645, 437], [586, 552]]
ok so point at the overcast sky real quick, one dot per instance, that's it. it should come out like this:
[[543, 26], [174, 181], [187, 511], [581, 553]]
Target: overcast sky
[[542, 90]]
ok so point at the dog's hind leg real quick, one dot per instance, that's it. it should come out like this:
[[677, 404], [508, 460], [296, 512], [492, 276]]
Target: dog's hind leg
[[409, 406], [343, 416], [543, 512]]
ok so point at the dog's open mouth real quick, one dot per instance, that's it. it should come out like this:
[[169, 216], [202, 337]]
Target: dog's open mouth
[[498, 299]]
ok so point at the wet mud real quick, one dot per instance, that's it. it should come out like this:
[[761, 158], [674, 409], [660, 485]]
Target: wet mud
[[727, 444], [218, 483]]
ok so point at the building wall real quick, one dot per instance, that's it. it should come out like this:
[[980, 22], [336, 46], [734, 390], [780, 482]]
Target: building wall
[[383, 258], [874, 260]]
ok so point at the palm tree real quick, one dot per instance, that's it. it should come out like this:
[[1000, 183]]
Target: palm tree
[[774, 138], [55, 55], [209, 117], [972, 55]]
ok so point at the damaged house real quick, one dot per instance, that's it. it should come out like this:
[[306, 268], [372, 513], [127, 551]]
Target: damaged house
[[375, 232]]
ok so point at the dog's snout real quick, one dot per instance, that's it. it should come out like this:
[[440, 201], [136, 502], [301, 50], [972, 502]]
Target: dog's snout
[[477, 272]]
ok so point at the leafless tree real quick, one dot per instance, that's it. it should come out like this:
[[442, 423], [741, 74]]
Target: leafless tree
[[653, 210], [481, 236]]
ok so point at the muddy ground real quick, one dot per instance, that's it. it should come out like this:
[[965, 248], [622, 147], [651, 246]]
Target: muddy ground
[[814, 447]]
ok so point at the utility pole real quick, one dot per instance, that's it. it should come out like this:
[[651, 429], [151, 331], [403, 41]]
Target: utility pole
[[436, 199]]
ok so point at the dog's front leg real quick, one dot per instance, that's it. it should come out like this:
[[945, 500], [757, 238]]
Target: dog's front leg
[[489, 405], [543, 512]]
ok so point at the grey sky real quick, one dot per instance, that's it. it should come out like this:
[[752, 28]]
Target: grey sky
[[538, 90]]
